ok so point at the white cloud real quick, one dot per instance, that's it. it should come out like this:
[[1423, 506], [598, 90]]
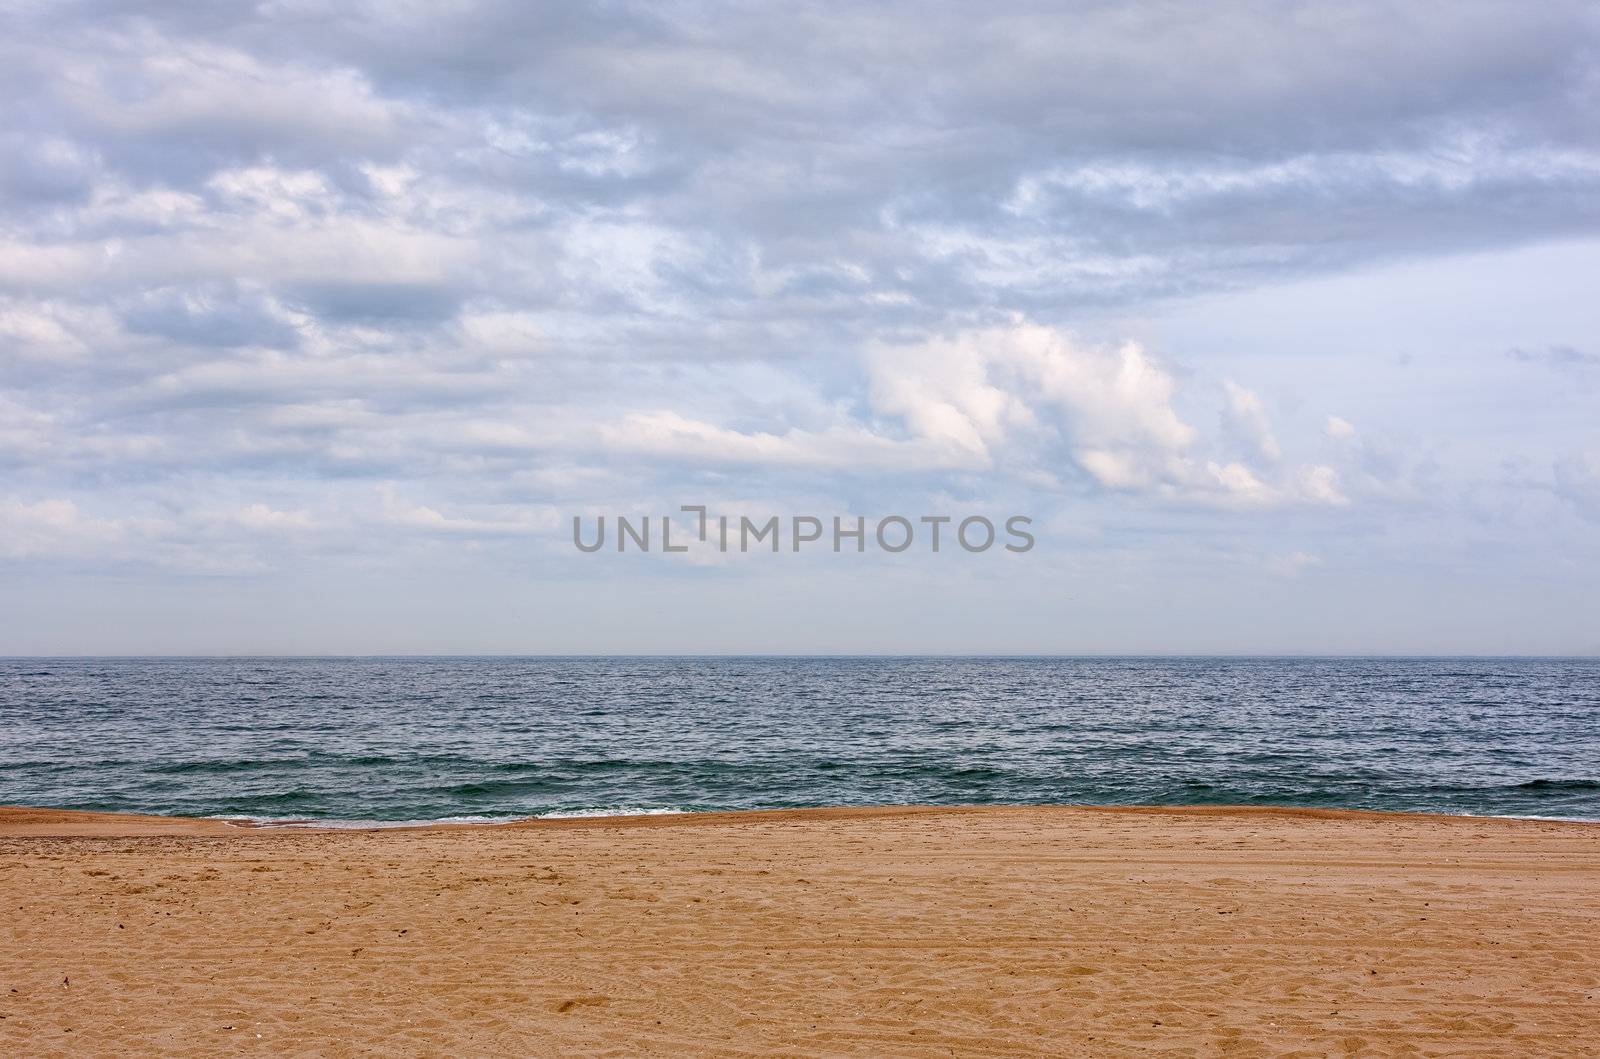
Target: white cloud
[[1292, 564], [273, 195], [404, 514], [1016, 400], [1320, 485], [1339, 429], [1453, 165], [263, 518], [943, 392], [1240, 486], [52, 528], [1245, 416], [979, 388], [1003, 392], [1578, 482], [667, 435], [503, 334], [38, 330], [140, 85]]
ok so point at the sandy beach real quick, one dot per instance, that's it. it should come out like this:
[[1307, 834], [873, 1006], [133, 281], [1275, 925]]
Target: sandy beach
[[1037, 932]]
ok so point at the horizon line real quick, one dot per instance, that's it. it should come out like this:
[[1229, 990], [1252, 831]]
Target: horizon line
[[821, 656]]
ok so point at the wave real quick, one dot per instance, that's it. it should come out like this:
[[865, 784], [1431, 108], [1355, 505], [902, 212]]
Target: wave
[[302, 823], [578, 814], [311, 823], [208, 768], [1558, 785], [492, 788]]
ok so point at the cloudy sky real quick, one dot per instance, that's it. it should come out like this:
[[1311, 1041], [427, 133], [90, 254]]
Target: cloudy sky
[[319, 323]]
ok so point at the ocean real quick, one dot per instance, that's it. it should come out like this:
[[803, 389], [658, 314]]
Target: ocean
[[412, 739]]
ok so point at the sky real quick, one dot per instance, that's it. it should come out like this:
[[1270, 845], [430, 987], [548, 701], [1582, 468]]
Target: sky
[[320, 324]]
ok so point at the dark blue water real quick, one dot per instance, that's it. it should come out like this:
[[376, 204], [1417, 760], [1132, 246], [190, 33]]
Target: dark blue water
[[412, 739]]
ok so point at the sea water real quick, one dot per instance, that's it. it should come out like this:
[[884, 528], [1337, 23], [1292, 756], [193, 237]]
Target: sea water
[[391, 739]]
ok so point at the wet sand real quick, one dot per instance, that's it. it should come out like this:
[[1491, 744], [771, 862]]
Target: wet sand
[[1036, 932]]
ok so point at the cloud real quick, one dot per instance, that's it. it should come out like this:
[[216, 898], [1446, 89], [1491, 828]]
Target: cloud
[[218, 315], [1577, 481], [1319, 484], [47, 330], [375, 303], [45, 169], [397, 511], [670, 437], [1292, 564], [1112, 406], [1024, 401], [1560, 358], [1245, 417], [791, 157], [1110, 410], [256, 259], [762, 183], [263, 518], [134, 89], [55, 528]]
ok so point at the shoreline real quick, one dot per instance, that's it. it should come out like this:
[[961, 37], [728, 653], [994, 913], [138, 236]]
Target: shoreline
[[45, 822]]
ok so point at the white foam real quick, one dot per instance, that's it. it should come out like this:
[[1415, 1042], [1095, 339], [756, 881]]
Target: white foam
[[302, 823], [1534, 816], [576, 814], [305, 823]]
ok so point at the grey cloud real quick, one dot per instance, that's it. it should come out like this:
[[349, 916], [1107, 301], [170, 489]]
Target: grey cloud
[[1561, 358], [213, 315], [40, 170], [1577, 481], [841, 166], [1095, 76], [942, 106], [376, 303]]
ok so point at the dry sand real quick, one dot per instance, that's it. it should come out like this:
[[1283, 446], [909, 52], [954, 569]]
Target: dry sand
[[1040, 932]]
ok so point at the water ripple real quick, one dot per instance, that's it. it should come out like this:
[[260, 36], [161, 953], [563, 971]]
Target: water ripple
[[417, 739]]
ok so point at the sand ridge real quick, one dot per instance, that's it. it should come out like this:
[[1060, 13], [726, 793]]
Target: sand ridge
[[1004, 931]]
